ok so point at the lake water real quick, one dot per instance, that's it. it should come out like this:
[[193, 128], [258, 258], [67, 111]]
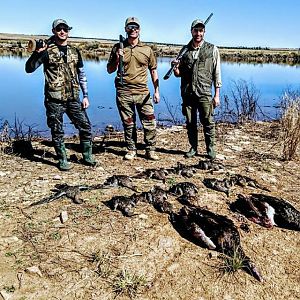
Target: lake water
[[22, 94]]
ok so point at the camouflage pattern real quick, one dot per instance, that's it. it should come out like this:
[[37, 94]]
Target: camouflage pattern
[[190, 107], [78, 116], [143, 103], [61, 79]]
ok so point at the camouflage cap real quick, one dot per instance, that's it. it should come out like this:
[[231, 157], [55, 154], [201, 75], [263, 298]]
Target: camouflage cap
[[132, 20], [60, 21], [197, 23]]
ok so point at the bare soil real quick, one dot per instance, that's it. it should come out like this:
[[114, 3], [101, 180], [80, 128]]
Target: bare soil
[[84, 257]]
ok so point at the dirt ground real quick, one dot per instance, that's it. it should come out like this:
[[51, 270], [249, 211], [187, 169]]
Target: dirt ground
[[98, 253]]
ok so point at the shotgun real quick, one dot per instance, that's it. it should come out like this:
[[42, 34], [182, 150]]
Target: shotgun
[[182, 52], [120, 66]]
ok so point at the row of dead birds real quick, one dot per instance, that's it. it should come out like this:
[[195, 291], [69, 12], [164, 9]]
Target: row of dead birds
[[222, 185], [197, 224]]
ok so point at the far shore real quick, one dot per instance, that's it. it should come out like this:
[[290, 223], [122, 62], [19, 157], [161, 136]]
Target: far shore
[[95, 48]]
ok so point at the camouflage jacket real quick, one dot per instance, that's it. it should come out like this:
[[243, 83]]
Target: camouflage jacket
[[63, 72]]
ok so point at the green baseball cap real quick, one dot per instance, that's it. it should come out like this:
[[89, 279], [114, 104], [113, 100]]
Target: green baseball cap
[[197, 23], [130, 20], [60, 21]]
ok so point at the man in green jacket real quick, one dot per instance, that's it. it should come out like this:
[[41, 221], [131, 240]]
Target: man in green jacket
[[64, 76], [199, 69], [133, 93]]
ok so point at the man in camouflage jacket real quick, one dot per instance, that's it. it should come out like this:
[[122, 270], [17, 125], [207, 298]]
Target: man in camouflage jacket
[[64, 76]]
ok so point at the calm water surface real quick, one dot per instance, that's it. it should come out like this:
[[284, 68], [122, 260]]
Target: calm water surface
[[22, 94]]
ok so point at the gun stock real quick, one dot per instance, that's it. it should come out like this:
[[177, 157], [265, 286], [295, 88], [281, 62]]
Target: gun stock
[[182, 52], [178, 57]]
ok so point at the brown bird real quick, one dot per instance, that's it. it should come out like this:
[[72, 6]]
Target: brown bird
[[216, 232]]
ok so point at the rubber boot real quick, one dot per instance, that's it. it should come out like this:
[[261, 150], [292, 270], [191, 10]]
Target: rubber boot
[[87, 153], [61, 153], [210, 147], [191, 153], [192, 132]]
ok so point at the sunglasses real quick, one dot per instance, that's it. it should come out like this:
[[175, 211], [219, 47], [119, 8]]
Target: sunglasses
[[132, 27], [58, 29]]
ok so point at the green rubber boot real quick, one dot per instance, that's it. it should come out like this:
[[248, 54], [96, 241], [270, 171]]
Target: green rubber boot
[[191, 153], [87, 150], [61, 153], [210, 147]]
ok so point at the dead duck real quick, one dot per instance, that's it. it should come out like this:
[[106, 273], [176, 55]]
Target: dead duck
[[209, 165], [158, 174], [220, 185], [267, 211], [157, 197], [184, 188], [124, 204], [188, 200], [241, 180], [157, 194], [119, 181], [61, 190], [213, 231], [184, 170]]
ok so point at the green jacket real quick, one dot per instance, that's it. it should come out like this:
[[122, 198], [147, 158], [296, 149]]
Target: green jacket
[[197, 71]]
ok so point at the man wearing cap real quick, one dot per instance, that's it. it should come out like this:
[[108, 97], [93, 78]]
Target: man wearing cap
[[199, 69], [64, 76], [132, 92]]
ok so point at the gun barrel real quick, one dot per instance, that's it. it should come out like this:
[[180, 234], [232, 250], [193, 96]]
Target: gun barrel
[[120, 68], [208, 18], [182, 52]]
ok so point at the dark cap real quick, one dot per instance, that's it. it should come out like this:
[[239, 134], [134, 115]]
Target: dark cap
[[197, 23], [60, 21], [133, 20]]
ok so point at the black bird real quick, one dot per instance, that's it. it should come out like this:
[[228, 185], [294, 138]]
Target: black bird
[[158, 174], [184, 188], [184, 170], [216, 232], [158, 198], [241, 180], [61, 190], [267, 211], [209, 165], [123, 204], [219, 185], [119, 180]]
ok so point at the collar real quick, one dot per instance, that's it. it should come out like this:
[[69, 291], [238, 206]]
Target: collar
[[126, 44], [197, 48]]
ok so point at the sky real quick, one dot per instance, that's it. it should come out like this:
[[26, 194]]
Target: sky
[[251, 23]]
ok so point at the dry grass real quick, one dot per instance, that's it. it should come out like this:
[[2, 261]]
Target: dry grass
[[100, 254], [290, 124]]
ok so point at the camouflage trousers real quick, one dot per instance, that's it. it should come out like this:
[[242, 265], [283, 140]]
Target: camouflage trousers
[[191, 106], [128, 105], [55, 110]]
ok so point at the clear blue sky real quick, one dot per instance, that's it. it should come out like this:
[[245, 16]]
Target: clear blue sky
[[271, 23]]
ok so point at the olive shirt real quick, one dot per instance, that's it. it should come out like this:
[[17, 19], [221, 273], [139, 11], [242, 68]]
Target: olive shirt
[[137, 60]]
